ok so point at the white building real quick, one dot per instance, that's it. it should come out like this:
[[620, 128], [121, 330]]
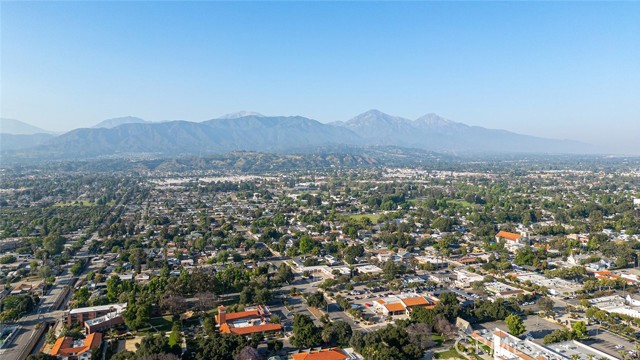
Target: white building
[[508, 347], [618, 305], [500, 290], [465, 278]]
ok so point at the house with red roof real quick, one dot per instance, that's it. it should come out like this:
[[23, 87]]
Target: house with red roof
[[252, 320]]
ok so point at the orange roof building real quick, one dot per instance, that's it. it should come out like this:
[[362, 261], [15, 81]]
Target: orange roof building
[[416, 301], [321, 354], [395, 308], [247, 322], [508, 236], [403, 306], [67, 348]]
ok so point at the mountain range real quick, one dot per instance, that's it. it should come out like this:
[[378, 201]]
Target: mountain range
[[16, 134], [111, 123], [248, 131]]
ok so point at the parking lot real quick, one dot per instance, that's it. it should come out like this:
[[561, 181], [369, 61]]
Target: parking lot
[[608, 342], [537, 328]]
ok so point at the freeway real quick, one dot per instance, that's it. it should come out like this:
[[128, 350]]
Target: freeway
[[46, 312], [42, 314]]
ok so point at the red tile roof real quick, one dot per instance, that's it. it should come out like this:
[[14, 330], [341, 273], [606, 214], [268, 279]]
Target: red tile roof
[[508, 235], [395, 307], [63, 348], [415, 301], [324, 354], [253, 329]]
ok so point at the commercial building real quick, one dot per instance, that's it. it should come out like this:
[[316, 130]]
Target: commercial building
[[618, 305], [555, 286], [500, 290], [403, 305], [464, 278], [508, 347]]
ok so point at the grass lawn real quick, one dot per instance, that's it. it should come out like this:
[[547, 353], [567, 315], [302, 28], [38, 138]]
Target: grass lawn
[[461, 202], [162, 323], [372, 217], [452, 353]]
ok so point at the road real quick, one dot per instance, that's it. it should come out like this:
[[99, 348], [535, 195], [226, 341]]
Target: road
[[44, 312]]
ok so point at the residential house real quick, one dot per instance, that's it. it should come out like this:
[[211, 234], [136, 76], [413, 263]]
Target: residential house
[[251, 321]]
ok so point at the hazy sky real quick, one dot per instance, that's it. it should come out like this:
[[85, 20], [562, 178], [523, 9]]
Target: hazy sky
[[562, 70]]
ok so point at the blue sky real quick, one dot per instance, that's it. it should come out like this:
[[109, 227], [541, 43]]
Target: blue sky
[[561, 70]]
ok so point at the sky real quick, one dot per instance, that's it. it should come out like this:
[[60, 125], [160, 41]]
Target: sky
[[559, 70]]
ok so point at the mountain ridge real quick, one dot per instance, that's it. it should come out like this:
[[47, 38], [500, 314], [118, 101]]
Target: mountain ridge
[[113, 122], [256, 132], [433, 132], [17, 127]]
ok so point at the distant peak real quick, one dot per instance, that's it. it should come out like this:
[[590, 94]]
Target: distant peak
[[240, 114], [111, 123], [375, 112], [17, 127], [376, 116]]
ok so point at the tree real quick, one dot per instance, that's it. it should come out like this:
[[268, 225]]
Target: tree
[[206, 300], [446, 329], [391, 342], [545, 304], [306, 244], [424, 316], [218, 346], [420, 335], [338, 332], [449, 306], [124, 355], [155, 344], [176, 305], [209, 325], [114, 285], [14, 305], [256, 339], [81, 297], [175, 338], [44, 272], [515, 324], [557, 335], [7, 259], [41, 356], [53, 244], [284, 274], [305, 333], [247, 353], [580, 329], [137, 315], [316, 300]]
